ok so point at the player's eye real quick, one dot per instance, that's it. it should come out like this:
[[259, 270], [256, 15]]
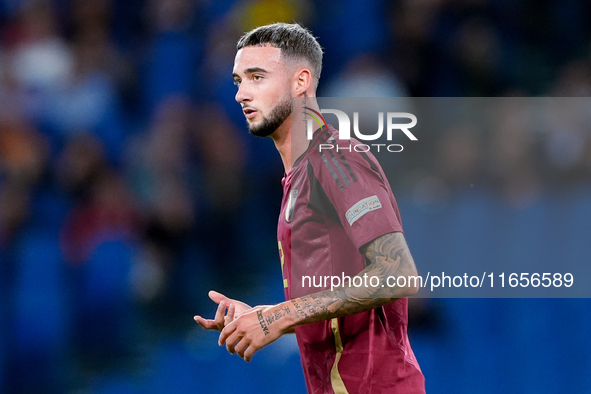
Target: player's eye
[[237, 82], [257, 77]]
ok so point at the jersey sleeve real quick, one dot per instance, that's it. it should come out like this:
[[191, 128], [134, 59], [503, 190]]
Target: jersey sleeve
[[359, 192]]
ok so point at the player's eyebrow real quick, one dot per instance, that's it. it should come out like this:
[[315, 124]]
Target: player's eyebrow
[[255, 70], [250, 71]]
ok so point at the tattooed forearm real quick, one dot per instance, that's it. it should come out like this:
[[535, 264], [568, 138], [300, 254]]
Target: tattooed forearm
[[311, 305], [277, 315], [299, 308], [388, 256]]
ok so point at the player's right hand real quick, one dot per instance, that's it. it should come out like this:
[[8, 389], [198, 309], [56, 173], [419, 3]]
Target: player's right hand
[[233, 308]]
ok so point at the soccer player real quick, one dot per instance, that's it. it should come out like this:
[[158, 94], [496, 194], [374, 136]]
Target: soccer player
[[338, 218]]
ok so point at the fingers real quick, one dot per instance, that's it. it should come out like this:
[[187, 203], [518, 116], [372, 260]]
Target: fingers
[[230, 316], [241, 346], [217, 297], [220, 319], [235, 338], [220, 315], [244, 348], [249, 353], [237, 341], [226, 333], [208, 324], [232, 345]]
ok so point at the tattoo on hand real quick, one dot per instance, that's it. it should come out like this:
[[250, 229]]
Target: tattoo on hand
[[262, 322], [272, 317]]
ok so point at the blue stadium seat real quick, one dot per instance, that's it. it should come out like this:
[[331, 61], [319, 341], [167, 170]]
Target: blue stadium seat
[[105, 318], [107, 274], [41, 315]]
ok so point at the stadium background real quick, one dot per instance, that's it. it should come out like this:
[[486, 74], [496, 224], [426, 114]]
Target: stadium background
[[129, 187]]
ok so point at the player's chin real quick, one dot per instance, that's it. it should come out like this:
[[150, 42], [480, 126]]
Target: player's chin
[[259, 131], [252, 124]]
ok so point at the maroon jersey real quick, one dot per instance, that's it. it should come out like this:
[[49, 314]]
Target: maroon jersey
[[334, 203]]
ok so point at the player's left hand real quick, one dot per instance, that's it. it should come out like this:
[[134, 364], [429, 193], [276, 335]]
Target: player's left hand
[[221, 319], [251, 331]]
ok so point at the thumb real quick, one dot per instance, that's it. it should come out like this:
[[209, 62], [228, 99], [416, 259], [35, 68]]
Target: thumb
[[217, 297]]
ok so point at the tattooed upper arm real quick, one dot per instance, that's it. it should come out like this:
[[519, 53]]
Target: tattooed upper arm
[[389, 254], [389, 258]]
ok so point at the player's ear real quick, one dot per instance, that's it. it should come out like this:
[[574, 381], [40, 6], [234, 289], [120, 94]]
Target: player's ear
[[303, 81]]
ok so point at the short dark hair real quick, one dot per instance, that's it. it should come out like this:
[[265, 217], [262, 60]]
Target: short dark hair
[[295, 41]]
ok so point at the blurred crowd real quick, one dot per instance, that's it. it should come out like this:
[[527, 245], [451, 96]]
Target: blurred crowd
[[129, 185]]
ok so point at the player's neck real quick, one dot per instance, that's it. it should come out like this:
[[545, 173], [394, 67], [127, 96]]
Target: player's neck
[[290, 138], [282, 139], [289, 144]]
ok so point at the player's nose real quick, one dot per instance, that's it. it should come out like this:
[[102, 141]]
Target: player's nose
[[242, 95]]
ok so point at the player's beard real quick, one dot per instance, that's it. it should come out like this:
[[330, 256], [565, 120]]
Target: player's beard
[[272, 122]]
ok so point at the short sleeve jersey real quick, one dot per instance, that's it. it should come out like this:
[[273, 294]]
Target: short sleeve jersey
[[336, 201]]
